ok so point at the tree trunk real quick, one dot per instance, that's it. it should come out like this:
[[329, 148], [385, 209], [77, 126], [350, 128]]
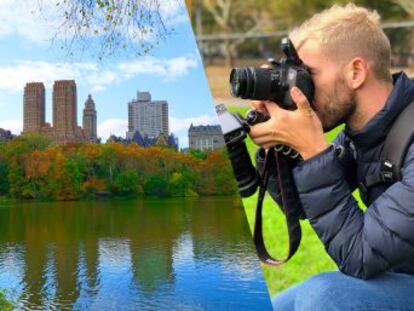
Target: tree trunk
[[228, 54]]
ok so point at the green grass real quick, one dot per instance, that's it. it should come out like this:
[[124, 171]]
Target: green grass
[[310, 258]]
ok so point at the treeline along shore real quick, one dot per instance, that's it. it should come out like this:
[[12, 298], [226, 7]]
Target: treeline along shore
[[32, 168]]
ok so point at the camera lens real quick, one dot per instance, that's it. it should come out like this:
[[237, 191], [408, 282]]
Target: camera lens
[[237, 82], [254, 83]]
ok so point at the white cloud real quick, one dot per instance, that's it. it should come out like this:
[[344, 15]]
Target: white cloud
[[179, 66], [110, 127], [99, 79], [171, 8], [174, 12], [15, 126], [168, 69], [177, 125], [14, 77], [21, 18], [178, 19], [97, 88]]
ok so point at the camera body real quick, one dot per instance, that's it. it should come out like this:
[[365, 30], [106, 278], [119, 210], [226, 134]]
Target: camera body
[[274, 84]]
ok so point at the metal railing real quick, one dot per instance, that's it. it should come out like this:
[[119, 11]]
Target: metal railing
[[237, 36]]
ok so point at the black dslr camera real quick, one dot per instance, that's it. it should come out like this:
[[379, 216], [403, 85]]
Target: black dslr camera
[[274, 83], [271, 84]]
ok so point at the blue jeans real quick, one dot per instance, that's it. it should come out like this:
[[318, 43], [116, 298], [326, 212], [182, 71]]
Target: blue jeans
[[336, 291]]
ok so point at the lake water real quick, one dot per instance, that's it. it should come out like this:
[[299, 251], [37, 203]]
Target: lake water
[[175, 254]]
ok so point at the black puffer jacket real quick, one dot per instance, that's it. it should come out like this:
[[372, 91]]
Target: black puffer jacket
[[381, 239]]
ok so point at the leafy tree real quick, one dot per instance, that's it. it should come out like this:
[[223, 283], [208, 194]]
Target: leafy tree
[[75, 166], [91, 186], [106, 162], [73, 171], [156, 186], [180, 184], [4, 171], [246, 17], [198, 154], [26, 143], [407, 5], [4, 182], [226, 17], [16, 179], [221, 170], [5, 304], [125, 183], [106, 27]]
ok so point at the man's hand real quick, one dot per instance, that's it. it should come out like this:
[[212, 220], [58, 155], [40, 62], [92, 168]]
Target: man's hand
[[299, 129]]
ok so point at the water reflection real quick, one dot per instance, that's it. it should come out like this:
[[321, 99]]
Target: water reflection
[[149, 254]]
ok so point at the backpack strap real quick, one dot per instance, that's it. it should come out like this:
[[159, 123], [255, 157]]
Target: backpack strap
[[396, 144]]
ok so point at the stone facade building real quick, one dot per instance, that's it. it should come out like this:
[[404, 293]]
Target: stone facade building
[[205, 137]]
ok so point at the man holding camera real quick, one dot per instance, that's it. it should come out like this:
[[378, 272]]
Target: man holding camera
[[348, 56]]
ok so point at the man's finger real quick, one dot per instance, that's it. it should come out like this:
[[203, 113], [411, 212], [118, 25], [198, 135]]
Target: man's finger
[[268, 130], [299, 98], [265, 141], [259, 105], [273, 108], [259, 130]]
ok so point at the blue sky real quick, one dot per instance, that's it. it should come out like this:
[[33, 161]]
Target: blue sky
[[172, 72]]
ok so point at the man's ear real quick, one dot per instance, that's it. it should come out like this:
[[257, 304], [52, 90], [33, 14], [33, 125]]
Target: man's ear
[[356, 72]]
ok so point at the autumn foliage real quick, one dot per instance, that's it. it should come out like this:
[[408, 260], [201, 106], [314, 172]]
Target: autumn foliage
[[31, 167]]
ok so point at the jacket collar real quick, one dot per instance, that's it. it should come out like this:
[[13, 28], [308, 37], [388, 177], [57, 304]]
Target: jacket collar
[[377, 128]]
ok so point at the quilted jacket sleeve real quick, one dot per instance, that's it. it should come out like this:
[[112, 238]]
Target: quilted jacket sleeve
[[362, 244]]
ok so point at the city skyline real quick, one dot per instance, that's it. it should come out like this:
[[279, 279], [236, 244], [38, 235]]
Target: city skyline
[[145, 115], [64, 128], [173, 71]]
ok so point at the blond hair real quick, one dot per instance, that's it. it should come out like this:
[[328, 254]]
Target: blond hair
[[345, 32]]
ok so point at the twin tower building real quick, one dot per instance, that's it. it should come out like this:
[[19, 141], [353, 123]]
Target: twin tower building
[[65, 127]]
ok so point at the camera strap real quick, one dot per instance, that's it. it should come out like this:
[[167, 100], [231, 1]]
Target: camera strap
[[292, 218]]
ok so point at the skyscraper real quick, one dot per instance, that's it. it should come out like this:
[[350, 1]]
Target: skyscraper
[[33, 107], [65, 119], [148, 117], [89, 120]]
